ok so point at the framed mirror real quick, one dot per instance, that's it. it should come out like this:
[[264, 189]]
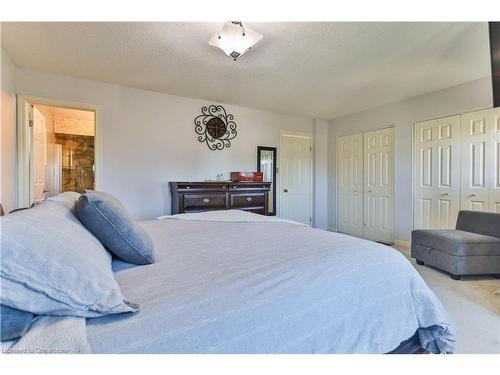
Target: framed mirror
[[266, 163]]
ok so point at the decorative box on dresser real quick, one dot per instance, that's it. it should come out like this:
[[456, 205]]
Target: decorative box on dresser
[[210, 196]]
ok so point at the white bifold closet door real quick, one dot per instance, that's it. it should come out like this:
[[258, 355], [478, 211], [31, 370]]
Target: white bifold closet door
[[437, 173], [379, 185], [481, 160], [457, 167], [350, 184], [365, 185]]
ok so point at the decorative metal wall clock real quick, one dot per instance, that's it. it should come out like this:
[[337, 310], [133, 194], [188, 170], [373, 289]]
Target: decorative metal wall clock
[[215, 127]]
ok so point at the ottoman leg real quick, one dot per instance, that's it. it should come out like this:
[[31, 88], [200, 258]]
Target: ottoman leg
[[455, 277], [420, 263]]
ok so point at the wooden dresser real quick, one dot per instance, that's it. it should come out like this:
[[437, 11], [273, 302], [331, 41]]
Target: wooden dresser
[[210, 196]]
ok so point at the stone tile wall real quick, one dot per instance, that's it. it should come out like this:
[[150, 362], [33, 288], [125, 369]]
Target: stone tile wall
[[78, 161]]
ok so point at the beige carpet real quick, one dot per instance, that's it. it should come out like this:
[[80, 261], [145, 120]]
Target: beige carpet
[[473, 303]]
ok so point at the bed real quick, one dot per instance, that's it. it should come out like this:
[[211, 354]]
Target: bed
[[235, 282]]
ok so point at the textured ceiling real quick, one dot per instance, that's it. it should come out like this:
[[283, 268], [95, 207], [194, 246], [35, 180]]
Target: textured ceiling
[[320, 70]]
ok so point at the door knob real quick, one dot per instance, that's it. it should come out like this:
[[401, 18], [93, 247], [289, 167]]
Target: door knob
[[285, 190], [444, 194]]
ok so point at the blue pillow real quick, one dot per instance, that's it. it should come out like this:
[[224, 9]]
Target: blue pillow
[[52, 265], [106, 217], [14, 323]]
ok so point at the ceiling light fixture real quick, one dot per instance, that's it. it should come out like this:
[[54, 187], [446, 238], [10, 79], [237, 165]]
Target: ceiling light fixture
[[235, 39]]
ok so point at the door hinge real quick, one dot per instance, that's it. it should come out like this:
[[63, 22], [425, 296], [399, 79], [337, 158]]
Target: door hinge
[[310, 219], [310, 148], [30, 123]]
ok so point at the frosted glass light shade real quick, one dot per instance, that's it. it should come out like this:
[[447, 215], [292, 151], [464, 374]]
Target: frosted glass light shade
[[234, 39]]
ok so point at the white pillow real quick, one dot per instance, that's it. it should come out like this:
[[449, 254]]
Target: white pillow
[[51, 265]]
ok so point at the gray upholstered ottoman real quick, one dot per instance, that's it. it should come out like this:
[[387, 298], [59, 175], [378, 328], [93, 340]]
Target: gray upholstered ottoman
[[472, 249]]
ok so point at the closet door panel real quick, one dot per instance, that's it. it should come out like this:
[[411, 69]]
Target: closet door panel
[[437, 173], [379, 185], [475, 164], [424, 184], [447, 172], [425, 213], [445, 215], [350, 184]]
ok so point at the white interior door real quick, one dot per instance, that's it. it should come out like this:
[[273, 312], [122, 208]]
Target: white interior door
[[296, 178], [350, 184], [437, 173], [379, 185], [39, 155], [495, 157], [475, 161]]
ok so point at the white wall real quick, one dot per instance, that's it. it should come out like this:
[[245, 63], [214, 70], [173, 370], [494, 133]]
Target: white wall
[[8, 134], [320, 174], [467, 97], [146, 139]]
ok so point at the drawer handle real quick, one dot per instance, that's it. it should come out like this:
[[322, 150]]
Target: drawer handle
[[234, 187], [206, 200], [249, 199], [188, 187], [224, 187]]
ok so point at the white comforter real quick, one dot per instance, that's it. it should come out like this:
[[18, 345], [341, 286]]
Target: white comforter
[[233, 282]]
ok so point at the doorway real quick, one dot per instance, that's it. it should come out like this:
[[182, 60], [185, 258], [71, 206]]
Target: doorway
[[57, 149], [296, 177]]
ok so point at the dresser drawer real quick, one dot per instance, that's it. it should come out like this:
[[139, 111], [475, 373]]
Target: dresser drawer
[[193, 186], [248, 200], [262, 186], [202, 201], [214, 195]]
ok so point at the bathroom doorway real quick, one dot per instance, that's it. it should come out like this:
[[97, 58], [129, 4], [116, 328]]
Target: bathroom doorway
[[59, 150]]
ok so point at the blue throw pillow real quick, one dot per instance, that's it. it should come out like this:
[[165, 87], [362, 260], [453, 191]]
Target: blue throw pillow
[[14, 322], [52, 265], [106, 217]]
